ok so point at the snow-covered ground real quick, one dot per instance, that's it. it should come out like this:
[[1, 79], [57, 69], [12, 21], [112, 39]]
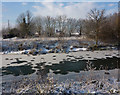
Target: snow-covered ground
[[97, 81], [48, 58], [79, 83], [45, 38]]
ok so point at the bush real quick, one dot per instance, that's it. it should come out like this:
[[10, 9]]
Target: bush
[[10, 33]]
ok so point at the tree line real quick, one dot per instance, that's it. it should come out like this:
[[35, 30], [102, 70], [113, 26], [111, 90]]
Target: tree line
[[96, 26]]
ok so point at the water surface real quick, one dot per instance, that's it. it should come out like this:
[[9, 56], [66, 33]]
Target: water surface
[[64, 67]]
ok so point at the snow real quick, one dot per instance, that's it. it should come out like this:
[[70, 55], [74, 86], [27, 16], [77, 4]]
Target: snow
[[75, 87]]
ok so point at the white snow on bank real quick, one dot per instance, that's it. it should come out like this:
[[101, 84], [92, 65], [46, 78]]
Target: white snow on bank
[[79, 49]]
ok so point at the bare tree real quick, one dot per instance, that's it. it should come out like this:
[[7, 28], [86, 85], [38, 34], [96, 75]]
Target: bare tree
[[80, 26], [97, 17], [21, 21], [50, 25], [61, 24], [25, 24], [71, 25], [38, 25], [20, 18], [109, 30], [89, 29], [119, 26], [30, 23]]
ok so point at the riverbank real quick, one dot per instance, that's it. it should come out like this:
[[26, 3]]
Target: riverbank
[[83, 82], [16, 67], [46, 39]]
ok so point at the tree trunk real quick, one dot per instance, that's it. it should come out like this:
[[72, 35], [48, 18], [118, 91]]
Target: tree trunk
[[80, 32], [96, 38]]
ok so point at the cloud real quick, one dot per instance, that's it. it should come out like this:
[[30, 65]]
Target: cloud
[[74, 10], [24, 3], [110, 5]]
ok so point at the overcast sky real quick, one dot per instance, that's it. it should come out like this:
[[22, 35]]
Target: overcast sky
[[11, 10]]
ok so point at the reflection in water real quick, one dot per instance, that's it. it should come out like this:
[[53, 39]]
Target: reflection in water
[[41, 71], [17, 70], [76, 66], [63, 68]]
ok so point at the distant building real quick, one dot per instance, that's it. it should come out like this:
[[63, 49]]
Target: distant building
[[75, 34], [57, 31], [36, 34]]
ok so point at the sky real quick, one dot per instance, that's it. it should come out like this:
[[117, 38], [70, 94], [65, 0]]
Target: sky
[[11, 10]]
